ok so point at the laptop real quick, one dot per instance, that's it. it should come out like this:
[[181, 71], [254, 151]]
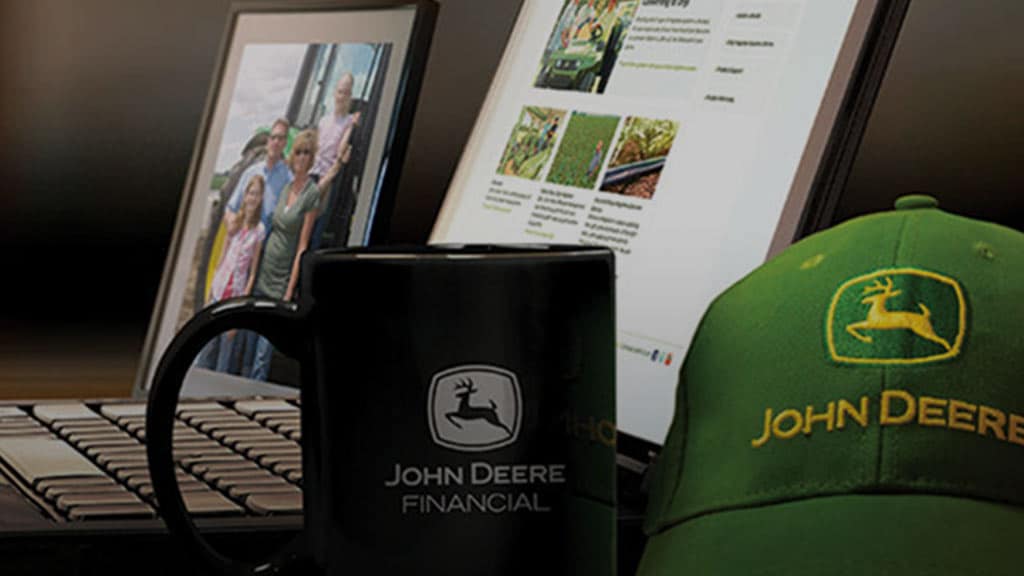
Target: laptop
[[697, 138], [329, 78]]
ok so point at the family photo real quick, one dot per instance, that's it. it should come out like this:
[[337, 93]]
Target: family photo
[[286, 181]]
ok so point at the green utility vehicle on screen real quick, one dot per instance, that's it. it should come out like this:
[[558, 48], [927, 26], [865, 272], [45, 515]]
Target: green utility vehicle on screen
[[584, 44], [583, 63]]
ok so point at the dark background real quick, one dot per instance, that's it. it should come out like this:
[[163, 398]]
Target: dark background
[[100, 102]]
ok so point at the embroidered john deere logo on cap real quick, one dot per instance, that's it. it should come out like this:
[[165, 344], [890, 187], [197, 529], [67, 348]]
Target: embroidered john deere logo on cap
[[475, 408], [896, 316]]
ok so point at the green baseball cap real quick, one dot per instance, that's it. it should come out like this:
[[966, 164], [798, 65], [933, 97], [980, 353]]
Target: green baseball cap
[[854, 406]]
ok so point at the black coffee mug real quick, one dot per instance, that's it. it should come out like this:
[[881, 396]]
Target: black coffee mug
[[457, 407]]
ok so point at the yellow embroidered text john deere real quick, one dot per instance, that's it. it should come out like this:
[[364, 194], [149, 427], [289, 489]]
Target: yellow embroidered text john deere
[[892, 408]]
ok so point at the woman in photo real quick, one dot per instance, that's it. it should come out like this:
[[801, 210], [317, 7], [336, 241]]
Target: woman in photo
[[236, 269], [291, 230]]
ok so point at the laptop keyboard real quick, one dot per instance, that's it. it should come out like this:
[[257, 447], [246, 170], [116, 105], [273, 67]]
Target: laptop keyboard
[[87, 461]]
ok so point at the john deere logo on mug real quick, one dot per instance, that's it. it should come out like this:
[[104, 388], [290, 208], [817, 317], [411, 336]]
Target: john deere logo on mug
[[474, 408], [896, 316]]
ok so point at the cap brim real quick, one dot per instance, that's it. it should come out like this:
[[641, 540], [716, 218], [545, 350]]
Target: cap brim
[[906, 535]]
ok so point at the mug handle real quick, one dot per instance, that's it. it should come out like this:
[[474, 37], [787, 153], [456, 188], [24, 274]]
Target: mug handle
[[284, 324]]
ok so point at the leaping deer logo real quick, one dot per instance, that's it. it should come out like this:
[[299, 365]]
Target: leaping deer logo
[[879, 318], [466, 411], [493, 421]]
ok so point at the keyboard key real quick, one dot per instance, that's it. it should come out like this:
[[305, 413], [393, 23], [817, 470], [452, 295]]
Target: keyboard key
[[188, 436], [92, 481], [285, 466], [268, 440], [276, 503], [283, 427], [23, 426], [198, 443], [204, 468], [186, 451], [203, 419], [65, 427], [120, 450], [106, 512], [256, 431], [53, 492], [261, 445], [118, 466], [209, 503], [37, 458], [136, 481], [118, 411], [226, 480], [104, 445], [131, 425], [66, 485], [191, 407], [192, 461], [114, 462], [37, 431], [241, 491], [68, 501], [192, 485], [13, 415], [99, 435], [253, 407], [250, 485], [52, 412], [270, 460], [259, 453], [17, 421], [242, 424], [11, 412], [143, 470]]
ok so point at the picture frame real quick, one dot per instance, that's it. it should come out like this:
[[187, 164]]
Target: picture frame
[[340, 77]]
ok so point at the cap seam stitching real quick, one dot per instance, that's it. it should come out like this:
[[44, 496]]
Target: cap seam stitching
[[884, 380]]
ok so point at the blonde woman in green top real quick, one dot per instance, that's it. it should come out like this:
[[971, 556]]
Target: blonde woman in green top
[[290, 230]]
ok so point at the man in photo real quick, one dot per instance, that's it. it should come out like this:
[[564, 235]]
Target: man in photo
[[276, 175], [595, 160], [274, 171]]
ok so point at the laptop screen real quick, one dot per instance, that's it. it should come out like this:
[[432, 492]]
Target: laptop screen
[[684, 134], [307, 110]]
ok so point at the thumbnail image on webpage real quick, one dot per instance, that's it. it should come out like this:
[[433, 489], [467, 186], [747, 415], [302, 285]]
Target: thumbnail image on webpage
[[584, 44]]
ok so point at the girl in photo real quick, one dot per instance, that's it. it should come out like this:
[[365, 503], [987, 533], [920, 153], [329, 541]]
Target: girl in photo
[[236, 269]]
